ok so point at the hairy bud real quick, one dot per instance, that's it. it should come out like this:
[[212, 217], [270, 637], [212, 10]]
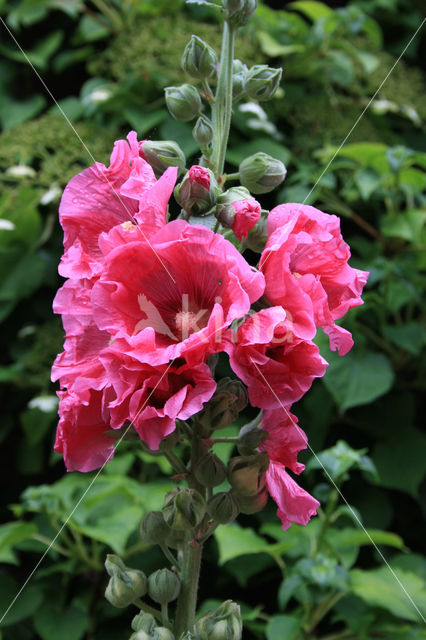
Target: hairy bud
[[223, 507], [163, 586], [183, 102], [238, 12], [183, 509], [198, 59], [162, 154], [154, 529], [262, 82], [239, 72], [210, 470], [250, 437], [253, 504], [126, 585], [261, 173], [197, 192], [144, 622], [223, 624], [203, 131], [246, 474]]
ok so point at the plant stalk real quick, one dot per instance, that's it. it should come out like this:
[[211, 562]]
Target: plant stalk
[[187, 602]]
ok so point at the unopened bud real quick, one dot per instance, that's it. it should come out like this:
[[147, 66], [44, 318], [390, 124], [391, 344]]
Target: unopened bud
[[183, 102], [198, 59], [237, 12], [262, 82], [246, 474], [198, 191], [252, 504], [223, 507], [219, 412], [154, 529], [163, 586], [126, 585], [236, 387], [223, 624], [210, 470], [250, 437], [140, 635], [258, 235], [203, 131], [239, 71], [261, 173], [143, 622], [236, 209], [183, 509], [163, 154], [162, 633]]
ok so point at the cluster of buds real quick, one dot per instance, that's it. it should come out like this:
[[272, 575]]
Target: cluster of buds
[[222, 624], [223, 408], [146, 628]]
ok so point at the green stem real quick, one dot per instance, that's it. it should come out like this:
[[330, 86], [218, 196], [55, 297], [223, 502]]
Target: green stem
[[233, 176], [169, 555], [165, 614], [229, 439], [222, 107], [148, 609], [187, 602]]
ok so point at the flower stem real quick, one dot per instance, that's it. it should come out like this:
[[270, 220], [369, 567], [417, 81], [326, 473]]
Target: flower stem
[[187, 602]]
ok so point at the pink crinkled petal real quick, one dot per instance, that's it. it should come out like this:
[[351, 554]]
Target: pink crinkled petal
[[340, 339]]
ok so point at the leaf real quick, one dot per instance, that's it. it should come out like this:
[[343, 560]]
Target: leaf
[[238, 154], [369, 61], [204, 2], [367, 180], [24, 606], [313, 10], [349, 540], [53, 623], [358, 378], [284, 626], [24, 278], [143, 122], [275, 49], [15, 113], [410, 336], [341, 70], [234, 541], [380, 588], [401, 462], [10, 534]]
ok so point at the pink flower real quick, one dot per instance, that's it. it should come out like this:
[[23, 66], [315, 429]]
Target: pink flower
[[285, 438], [277, 366], [177, 299], [82, 435], [305, 263], [200, 175], [247, 214], [101, 197]]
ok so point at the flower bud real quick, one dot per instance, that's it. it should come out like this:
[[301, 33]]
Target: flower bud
[[203, 131], [246, 474], [144, 622], [236, 209], [162, 633], [236, 387], [223, 624], [169, 441], [261, 173], [250, 437], [258, 236], [262, 82], [210, 470], [126, 585], [183, 509], [183, 102], [154, 529], [237, 12], [162, 154], [140, 635], [198, 190], [198, 59], [175, 539], [163, 586], [239, 72], [252, 504], [223, 507], [219, 412]]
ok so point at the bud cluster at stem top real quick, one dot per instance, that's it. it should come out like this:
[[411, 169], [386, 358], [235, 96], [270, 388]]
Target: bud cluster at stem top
[[238, 12]]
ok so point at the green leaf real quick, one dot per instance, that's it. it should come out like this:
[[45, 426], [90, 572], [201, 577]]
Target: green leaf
[[23, 607], [369, 61], [341, 70], [367, 181], [53, 623], [234, 541], [349, 540], [238, 154], [380, 588], [14, 113], [275, 49], [401, 462], [10, 534], [24, 278], [339, 459], [284, 627], [313, 10], [358, 378], [141, 121], [410, 336]]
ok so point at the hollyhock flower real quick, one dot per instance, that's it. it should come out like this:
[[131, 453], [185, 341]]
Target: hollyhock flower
[[101, 197], [152, 398], [284, 442], [82, 436], [305, 263], [277, 366], [177, 299], [247, 214]]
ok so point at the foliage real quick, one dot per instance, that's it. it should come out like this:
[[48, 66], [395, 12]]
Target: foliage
[[107, 68]]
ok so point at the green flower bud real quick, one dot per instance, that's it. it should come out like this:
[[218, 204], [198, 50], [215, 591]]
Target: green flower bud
[[210, 470], [183, 509], [223, 624], [219, 412], [239, 72], [163, 586], [261, 173], [253, 504], [175, 539], [183, 102], [140, 635], [237, 12], [144, 622], [251, 436], [203, 131], [198, 59], [258, 235], [162, 633], [262, 82], [126, 585], [198, 191], [223, 507], [154, 529], [162, 154], [246, 474]]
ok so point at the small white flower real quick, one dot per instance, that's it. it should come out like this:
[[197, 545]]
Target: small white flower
[[6, 225], [20, 171], [46, 404], [49, 196]]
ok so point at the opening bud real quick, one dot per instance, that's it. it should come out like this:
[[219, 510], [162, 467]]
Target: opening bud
[[246, 474], [262, 82], [223, 624], [239, 72], [198, 59], [223, 507], [236, 387], [163, 586], [237, 12], [126, 585], [261, 173], [163, 154], [203, 131], [183, 102], [154, 529], [236, 209], [183, 509], [253, 504], [198, 191], [210, 470], [218, 413], [251, 436]]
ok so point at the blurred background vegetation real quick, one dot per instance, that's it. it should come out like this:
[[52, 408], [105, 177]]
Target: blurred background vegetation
[[107, 62]]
